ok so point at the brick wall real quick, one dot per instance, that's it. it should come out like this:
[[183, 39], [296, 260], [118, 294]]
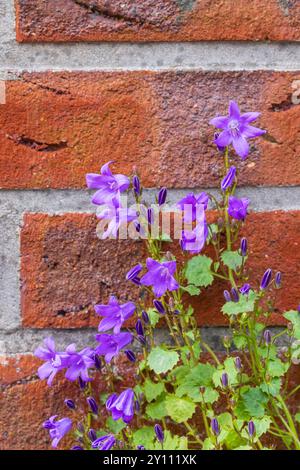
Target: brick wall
[[65, 108]]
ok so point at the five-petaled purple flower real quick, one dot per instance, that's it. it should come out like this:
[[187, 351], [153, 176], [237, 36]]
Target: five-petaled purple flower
[[121, 406], [160, 276], [192, 206], [114, 314], [111, 345], [236, 129], [57, 429], [108, 185], [55, 361], [117, 215], [104, 442], [238, 207], [79, 363]]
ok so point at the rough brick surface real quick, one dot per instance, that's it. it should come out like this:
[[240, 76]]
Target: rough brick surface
[[56, 127], [25, 402], [66, 269], [157, 20]]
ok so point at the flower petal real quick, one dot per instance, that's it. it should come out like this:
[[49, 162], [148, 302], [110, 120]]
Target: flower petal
[[224, 139], [241, 146], [234, 111], [220, 122], [250, 132]]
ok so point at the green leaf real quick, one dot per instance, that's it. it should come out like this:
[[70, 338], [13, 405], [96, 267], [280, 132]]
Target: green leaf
[[198, 271], [251, 404], [172, 442], [161, 360], [198, 376], [153, 390], [273, 387], [277, 368], [230, 369], [144, 436], [240, 341], [191, 289], [245, 304], [294, 317], [208, 444], [297, 417], [115, 426], [180, 409], [157, 410], [232, 259], [154, 316]]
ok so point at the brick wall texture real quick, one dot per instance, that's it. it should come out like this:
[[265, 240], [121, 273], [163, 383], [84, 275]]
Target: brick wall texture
[[57, 124]]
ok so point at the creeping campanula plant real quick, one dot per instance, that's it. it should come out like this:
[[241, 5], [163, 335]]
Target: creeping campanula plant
[[180, 394]]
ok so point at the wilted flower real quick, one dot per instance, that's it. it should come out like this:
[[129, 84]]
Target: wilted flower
[[104, 442], [121, 406], [57, 429], [108, 185], [111, 345], [115, 314], [228, 179], [266, 279], [160, 276], [237, 208], [236, 129], [159, 433]]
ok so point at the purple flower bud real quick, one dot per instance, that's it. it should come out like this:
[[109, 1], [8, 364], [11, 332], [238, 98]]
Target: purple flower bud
[[92, 435], [238, 363], [76, 448], [298, 308], [267, 337], [278, 278], [221, 149], [140, 448], [159, 306], [224, 380], [215, 426], [227, 181], [137, 226], [92, 404], [97, 362], [142, 339], [80, 428], [139, 327], [137, 406], [82, 383], [136, 185], [235, 295], [69, 403], [145, 317], [162, 196], [244, 246], [150, 216], [227, 296], [251, 428], [245, 289], [133, 272], [266, 279], [159, 433], [130, 355], [136, 281]]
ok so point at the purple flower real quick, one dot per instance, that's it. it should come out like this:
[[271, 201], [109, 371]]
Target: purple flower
[[92, 435], [236, 129], [136, 185], [245, 289], [111, 345], [114, 314], [78, 363], [266, 279], [162, 196], [150, 215], [235, 295], [159, 306], [244, 246], [159, 433], [104, 442], [251, 428], [278, 278], [227, 296], [145, 317], [70, 403], [139, 327], [121, 406], [160, 276], [92, 404], [133, 272], [55, 361], [215, 426], [228, 179], [57, 429], [192, 206], [108, 185], [267, 337], [216, 136], [224, 380], [130, 355], [238, 363], [117, 216], [194, 240], [238, 207]]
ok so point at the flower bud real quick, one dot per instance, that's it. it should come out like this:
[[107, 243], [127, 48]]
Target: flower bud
[[228, 180], [150, 216], [145, 317], [130, 355], [266, 279], [76, 448], [137, 406], [234, 294], [216, 136], [142, 339], [97, 362], [227, 296], [224, 380], [136, 185], [159, 306], [251, 428], [162, 196], [133, 272], [278, 279], [137, 226], [244, 246], [139, 327], [227, 342], [82, 383], [215, 426], [92, 404], [159, 433], [238, 363], [267, 337], [92, 435], [80, 428], [140, 447], [70, 403], [245, 289]]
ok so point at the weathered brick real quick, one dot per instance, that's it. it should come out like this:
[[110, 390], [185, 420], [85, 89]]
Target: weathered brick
[[66, 269], [160, 20], [56, 127]]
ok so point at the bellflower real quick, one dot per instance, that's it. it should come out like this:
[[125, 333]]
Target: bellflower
[[215, 426], [245, 289], [194, 240], [121, 406], [115, 314], [160, 276], [236, 129], [162, 196], [237, 208], [190, 206], [111, 345], [228, 179], [134, 272], [108, 185], [104, 442], [117, 216], [244, 246], [57, 429], [266, 279], [159, 433], [55, 361], [79, 363]]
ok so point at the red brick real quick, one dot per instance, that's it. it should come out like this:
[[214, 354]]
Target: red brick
[[25, 402], [161, 20], [66, 269], [56, 127]]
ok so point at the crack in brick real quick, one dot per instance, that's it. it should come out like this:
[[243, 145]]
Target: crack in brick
[[284, 105], [57, 91], [25, 380], [76, 309], [105, 12], [37, 145]]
